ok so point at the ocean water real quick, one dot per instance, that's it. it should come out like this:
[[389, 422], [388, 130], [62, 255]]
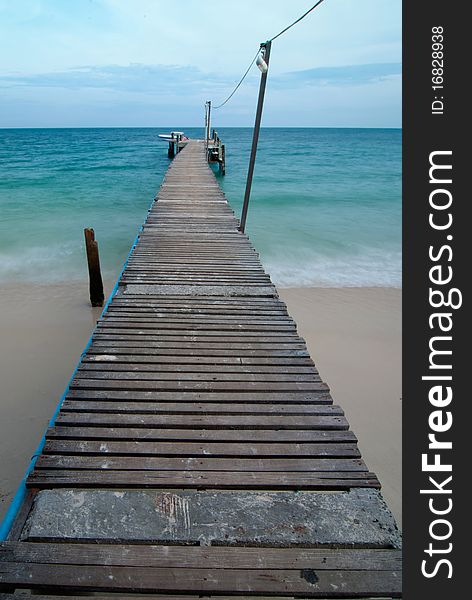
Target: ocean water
[[325, 207]]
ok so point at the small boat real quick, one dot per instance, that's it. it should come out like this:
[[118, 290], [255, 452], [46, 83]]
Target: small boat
[[169, 137], [176, 139]]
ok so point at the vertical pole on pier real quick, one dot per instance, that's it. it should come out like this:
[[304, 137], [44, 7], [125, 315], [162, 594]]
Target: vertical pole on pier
[[255, 138], [223, 160], [95, 277], [207, 120]]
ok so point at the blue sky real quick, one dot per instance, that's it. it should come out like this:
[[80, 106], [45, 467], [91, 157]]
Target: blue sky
[[76, 63]]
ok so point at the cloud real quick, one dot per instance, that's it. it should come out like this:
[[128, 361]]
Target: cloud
[[141, 94], [339, 76], [189, 80], [130, 78]]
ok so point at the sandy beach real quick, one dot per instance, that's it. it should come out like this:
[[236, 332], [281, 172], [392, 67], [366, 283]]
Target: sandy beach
[[44, 330], [353, 334], [354, 337]]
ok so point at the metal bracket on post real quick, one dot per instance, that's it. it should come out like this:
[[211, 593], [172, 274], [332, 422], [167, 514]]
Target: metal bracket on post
[[264, 66]]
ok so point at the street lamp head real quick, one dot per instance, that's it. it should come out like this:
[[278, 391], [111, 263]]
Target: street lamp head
[[261, 64]]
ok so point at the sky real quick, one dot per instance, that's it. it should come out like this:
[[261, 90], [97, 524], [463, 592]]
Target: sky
[[133, 63]]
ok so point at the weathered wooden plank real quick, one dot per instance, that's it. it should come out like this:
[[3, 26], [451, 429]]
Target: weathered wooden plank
[[181, 310], [214, 275], [164, 596], [299, 397], [141, 463], [179, 448], [116, 363], [255, 302], [200, 408], [154, 267], [194, 290], [22, 595], [110, 383], [204, 421], [126, 346], [177, 336], [197, 285], [164, 361], [143, 579], [174, 308], [189, 316], [194, 377], [217, 325], [206, 557], [198, 342], [204, 313], [183, 318], [202, 479], [294, 436]]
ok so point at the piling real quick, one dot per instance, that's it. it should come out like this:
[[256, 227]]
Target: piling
[[95, 276]]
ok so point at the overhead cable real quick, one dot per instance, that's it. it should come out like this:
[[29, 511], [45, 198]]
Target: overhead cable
[[297, 21], [240, 82], [257, 53]]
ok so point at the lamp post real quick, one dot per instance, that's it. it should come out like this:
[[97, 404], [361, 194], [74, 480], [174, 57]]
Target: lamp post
[[207, 120], [262, 62]]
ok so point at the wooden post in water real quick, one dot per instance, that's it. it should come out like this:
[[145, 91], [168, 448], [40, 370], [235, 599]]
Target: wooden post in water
[[223, 160], [95, 277]]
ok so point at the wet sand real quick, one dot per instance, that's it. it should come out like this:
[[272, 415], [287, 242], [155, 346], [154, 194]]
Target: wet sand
[[43, 332], [354, 336]]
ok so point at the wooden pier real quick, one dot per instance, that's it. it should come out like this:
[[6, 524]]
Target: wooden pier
[[177, 142], [216, 151], [197, 452]]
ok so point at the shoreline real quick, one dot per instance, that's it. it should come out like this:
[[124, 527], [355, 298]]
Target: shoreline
[[353, 335]]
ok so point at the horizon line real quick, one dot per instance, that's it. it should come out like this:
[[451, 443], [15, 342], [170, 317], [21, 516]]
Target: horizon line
[[200, 127]]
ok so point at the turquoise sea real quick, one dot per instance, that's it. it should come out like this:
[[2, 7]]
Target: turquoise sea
[[325, 207]]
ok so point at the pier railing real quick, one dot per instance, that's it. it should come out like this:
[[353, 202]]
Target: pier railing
[[216, 151]]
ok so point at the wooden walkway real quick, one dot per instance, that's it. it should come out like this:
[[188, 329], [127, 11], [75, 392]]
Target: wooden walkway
[[198, 452]]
